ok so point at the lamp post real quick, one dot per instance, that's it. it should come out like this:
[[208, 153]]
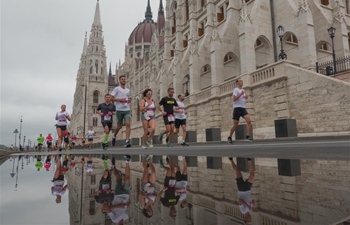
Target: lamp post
[[15, 132], [85, 90], [24, 141], [187, 79], [280, 32], [20, 131], [331, 32]]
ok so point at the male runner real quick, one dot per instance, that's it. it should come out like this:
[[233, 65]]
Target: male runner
[[121, 95], [48, 140], [89, 165], [181, 183], [66, 139], [180, 118], [168, 103], [38, 163], [74, 141], [104, 192], [244, 194], [239, 99], [147, 194], [90, 135], [106, 110], [117, 211], [40, 140], [83, 140]]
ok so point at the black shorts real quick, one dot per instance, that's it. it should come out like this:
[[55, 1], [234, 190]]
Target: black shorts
[[66, 140], [167, 179], [40, 144], [63, 128], [49, 144], [180, 177], [166, 121], [109, 125], [243, 185], [60, 177], [239, 112], [65, 163], [83, 142], [179, 123]]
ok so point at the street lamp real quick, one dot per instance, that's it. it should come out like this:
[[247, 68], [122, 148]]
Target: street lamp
[[85, 90], [20, 132], [15, 132], [187, 80], [280, 32], [331, 32]]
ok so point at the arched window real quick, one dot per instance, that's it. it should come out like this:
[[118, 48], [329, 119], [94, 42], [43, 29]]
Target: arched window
[[92, 209], [292, 39], [96, 48], [325, 47], [325, 2], [96, 96], [205, 69], [347, 6], [228, 57], [94, 122], [93, 179], [91, 70], [203, 2], [258, 43], [96, 66], [186, 85]]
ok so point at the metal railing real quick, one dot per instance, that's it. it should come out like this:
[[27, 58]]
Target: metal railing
[[327, 68]]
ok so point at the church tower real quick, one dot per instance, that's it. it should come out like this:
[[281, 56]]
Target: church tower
[[92, 81]]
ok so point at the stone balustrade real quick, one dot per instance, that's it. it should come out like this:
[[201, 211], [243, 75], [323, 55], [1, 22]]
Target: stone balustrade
[[227, 87], [268, 219]]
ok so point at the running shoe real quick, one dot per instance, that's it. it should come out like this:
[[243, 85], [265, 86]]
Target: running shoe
[[184, 144], [229, 140], [127, 144], [127, 158], [160, 138], [168, 144], [113, 141]]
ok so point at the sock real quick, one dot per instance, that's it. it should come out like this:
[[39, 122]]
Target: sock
[[105, 166], [105, 140], [126, 161]]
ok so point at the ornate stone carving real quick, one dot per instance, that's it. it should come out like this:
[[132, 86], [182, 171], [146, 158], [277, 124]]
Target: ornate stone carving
[[244, 15], [337, 14], [215, 35]]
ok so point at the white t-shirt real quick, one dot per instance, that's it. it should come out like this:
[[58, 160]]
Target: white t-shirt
[[240, 103], [118, 214], [61, 118], [182, 184], [180, 116], [58, 186], [245, 196], [90, 133], [119, 92]]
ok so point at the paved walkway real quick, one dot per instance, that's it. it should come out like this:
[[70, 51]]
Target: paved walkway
[[337, 148]]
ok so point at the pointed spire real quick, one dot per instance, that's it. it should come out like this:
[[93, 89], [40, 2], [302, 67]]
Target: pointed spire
[[110, 69], [161, 8], [148, 13], [85, 44], [97, 19]]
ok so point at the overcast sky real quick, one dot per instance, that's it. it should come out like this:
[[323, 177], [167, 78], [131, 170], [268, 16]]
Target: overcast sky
[[41, 45]]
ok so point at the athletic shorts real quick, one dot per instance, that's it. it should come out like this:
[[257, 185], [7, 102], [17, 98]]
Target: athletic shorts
[[243, 185], [239, 112], [166, 121], [179, 123], [66, 140], [60, 177], [63, 128], [90, 139], [121, 188], [40, 144], [167, 180], [180, 177], [49, 144], [109, 125], [143, 118], [123, 116]]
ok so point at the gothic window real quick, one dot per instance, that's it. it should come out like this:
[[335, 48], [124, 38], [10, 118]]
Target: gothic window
[[228, 57], [325, 2], [221, 14], [91, 70], [96, 66], [94, 122], [292, 39], [203, 2], [205, 69], [93, 179], [186, 85], [92, 209], [96, 48], [258, 43], [325, 47], [96, 96]]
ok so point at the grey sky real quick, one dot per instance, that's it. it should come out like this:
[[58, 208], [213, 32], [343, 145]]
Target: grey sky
[[41, 45]]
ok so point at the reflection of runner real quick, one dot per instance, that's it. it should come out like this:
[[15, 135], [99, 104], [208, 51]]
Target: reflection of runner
[[181, 184], [90, 135], [147, 193], [244, 194], [168, 197], [89, 166], [40, 140], [104, 192], [117, 211], [66, 139], [47, 163], [38, 163], [74, 141], [72, 160], [83, 143], [65, 164], [58, 189]]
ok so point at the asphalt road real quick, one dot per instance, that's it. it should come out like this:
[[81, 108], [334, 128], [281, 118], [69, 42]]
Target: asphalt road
[[298, 148]]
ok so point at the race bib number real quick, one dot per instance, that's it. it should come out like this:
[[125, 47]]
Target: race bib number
[[105, 187], [172, 183], [149, 114], [171, 118], [107, 117]]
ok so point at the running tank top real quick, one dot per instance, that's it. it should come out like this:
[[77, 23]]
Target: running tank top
[[58, 187], [91, 133], [149, 112]]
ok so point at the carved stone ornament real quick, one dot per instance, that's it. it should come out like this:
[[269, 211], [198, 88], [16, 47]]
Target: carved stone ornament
[[215, 35], [193, 47], [304, 6], [175, 60], [337, 14], [244, 13]]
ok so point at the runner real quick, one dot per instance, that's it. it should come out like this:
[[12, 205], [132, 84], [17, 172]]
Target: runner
[[104, 192], [72, 160], [169, 104], [48, 140], [89, 166], [58, 189], [148, 107], [74, 141], [47, 163], [147, 194], [83, 140], [66, 139], [244, 194], [38, 163], [11, 147], [65, 166], [239, 99], [121, 95], [106, 110], [169, 197], [180, 118], [91, 135], [62, 118], [40, 140], [181, 183], [121, 202]]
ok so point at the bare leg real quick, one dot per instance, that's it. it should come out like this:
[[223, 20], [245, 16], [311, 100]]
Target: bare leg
[[249, 123], [117, 129], [128, 130], [145, 131], [235, 125], [152, 124], [251, 172], [171, 134], [184, 172], [127, 173], [183, 132], [145, 171], [152, 178], [238, 172]]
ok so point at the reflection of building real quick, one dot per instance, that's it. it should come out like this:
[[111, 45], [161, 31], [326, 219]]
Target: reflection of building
[[81, 194]]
